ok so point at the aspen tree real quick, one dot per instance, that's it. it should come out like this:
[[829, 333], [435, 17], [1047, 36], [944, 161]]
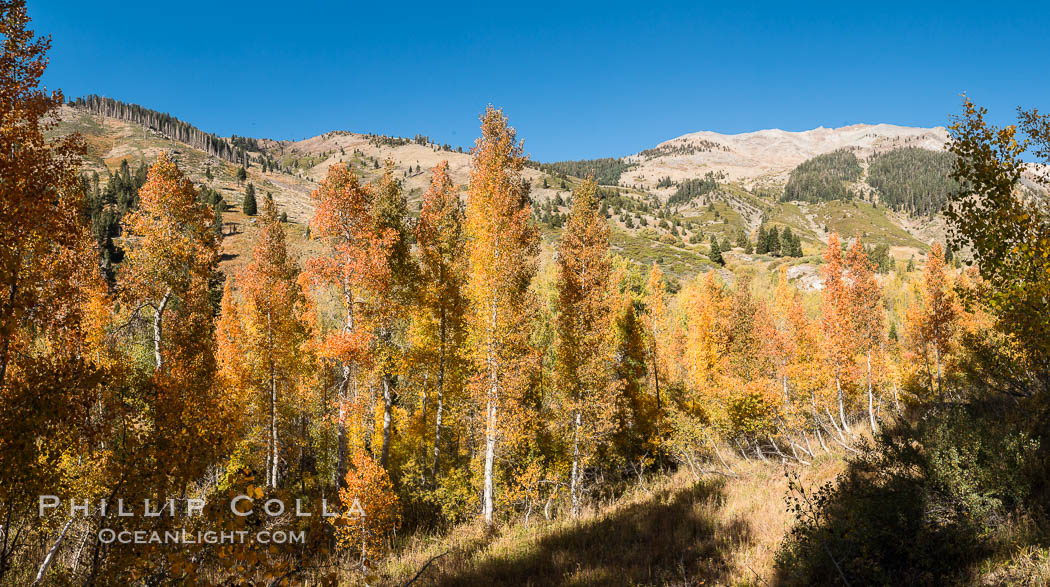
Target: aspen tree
[[835, 320], [502, 246], [866, 312], [585, 332], [355, 264], [439, 235]]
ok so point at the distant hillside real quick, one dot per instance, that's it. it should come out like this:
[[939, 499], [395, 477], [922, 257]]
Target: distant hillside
[[664, 204], [233, 149], [766, 157]]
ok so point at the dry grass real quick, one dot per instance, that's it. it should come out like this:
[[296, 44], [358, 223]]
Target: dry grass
[[673, 530], [1029, 565]]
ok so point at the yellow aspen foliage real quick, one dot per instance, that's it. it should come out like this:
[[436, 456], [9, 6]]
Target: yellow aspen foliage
[[371, 510], [501, 252], [585, 342]]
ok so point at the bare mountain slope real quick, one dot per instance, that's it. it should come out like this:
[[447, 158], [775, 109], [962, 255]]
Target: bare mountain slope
[[766, 157]]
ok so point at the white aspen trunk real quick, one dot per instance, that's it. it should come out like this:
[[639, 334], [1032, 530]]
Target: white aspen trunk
[[490, 455], [820, 439], [158, 325], [842, 408], [51, 553], [896, 399], [434, 468], [273, 429], [834, 424], [758, 451], [714, 445], [440, 398], [268, 461], [388, 404], [272, 449], [816, 421], [871, 401], [341, 441], [80, 550], [787, 400], [574, 482], [491, 418], [743, 451], [340, 469]]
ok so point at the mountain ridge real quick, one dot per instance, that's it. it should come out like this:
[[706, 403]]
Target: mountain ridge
[[647, 224]]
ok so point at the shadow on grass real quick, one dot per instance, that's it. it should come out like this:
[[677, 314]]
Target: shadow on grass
[[667, 540], [927, 504]]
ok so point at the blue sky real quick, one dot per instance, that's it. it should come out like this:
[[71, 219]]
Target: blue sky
[[577, 81]]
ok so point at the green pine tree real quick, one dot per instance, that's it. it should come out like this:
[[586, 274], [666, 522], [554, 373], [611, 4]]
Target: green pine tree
[[773, 241], [761, 243], [715, 254], [788, 243], [249, 206]]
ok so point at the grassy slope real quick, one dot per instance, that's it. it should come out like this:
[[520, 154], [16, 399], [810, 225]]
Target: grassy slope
[[671, 530]]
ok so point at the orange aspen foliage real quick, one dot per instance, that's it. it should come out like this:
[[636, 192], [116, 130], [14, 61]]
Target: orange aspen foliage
[[585, 333], [502, 246], [53, 305], [172, 254], [706, 339], [933, 317], [40, 195], [835, 320], [440, 328], [170, 261], [779, 344], [270, 334], [866, 312], [372, 511], [355, 265]]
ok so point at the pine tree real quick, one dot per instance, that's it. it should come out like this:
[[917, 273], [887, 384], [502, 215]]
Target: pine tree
[[217, 209], [242, 174], [249, 206], [761, 242], [788, 243], [773, 242], [715, 252]]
